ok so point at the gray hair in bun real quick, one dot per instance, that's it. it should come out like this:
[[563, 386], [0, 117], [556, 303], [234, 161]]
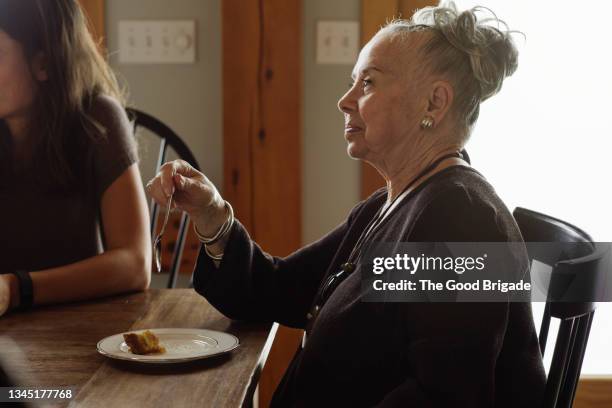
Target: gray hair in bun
[[476, 53]]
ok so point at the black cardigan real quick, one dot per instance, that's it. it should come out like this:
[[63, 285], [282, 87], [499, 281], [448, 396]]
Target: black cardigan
[[388, 354]]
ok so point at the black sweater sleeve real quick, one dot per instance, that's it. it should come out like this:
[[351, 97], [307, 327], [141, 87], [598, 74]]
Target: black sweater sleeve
[[451, 349], [253, 285]]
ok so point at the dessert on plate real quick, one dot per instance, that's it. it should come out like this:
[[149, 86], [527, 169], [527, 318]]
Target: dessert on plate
[[143, 343]]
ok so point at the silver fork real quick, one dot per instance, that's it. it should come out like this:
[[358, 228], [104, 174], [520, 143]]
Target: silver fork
[[157, 249]]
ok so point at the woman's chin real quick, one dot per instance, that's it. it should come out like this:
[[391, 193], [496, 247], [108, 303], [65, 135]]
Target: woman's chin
[[355, 150]]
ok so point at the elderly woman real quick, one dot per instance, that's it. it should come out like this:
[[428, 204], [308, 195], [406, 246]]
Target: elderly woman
[[415, 97]]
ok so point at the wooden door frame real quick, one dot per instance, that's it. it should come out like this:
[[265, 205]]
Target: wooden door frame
[[262, 126], [96, 17]]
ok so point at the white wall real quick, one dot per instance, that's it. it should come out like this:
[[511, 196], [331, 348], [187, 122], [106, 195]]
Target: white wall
[[545, 141]]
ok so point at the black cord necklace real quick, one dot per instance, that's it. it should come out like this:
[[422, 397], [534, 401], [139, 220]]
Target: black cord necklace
[[374, 224]]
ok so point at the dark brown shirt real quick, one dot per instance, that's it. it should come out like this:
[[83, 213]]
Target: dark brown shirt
[[41, 228]]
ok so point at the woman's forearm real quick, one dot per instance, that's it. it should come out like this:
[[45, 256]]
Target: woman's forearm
[[112, 272]]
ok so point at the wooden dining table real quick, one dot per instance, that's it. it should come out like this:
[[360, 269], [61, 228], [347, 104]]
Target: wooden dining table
[[55, 346]]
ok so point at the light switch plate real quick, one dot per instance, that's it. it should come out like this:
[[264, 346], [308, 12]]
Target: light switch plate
[[337, 42], [157, 41]]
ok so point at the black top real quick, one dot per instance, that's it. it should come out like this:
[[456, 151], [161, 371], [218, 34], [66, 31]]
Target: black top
[[388, 354]]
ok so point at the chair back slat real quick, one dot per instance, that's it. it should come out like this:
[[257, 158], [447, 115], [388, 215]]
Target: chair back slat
[[544, 329], [559, 364], [161, 158], [568, 391], [180, 246]]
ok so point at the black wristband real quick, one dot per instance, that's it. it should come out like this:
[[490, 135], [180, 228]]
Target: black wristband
[[26, 290]]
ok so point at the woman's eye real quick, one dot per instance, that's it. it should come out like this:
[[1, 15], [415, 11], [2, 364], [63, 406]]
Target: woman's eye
[[364, 83]]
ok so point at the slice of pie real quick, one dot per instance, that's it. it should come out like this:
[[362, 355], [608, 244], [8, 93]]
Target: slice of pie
[[144, 343]]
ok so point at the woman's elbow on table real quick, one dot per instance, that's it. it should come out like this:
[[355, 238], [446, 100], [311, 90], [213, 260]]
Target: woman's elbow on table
[[123, 270], [139, 271], [131, 269]]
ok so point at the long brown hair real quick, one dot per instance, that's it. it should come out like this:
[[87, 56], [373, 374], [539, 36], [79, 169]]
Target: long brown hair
[[77, 74]]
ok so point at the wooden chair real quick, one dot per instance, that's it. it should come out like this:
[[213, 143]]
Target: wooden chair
[[573, 254]]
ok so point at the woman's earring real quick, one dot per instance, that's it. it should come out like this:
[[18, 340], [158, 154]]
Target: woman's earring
[[427, 122]]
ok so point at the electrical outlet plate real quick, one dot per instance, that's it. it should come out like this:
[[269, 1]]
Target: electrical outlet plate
[[337, 42], [157, 41]]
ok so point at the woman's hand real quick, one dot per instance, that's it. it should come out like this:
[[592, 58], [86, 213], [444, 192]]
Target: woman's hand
[[193, 193]]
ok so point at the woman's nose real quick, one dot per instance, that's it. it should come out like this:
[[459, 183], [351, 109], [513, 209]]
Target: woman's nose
[[347, 102]]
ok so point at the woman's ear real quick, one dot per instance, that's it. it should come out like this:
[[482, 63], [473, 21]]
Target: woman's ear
[[440, 100], [39, 67]]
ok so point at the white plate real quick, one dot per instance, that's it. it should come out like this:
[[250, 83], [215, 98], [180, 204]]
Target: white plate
[[181, 345]]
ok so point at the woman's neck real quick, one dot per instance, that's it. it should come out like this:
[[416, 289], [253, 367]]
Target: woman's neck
[[409, 173]]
